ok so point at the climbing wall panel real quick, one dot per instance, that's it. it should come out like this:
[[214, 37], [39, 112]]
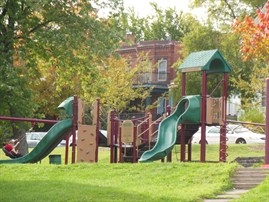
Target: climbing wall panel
[[86, 143]]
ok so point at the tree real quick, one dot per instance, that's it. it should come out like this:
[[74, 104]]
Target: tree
[[223, 12], [168, 24], [221, 15], [254, 36], [41, 38], [118, 81]]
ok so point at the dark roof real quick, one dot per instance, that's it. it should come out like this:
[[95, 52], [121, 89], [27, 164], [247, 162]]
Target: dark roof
[[210, 61]]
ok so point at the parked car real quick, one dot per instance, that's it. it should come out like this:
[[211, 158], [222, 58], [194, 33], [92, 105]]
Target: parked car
[[236, 134], [33, 138]]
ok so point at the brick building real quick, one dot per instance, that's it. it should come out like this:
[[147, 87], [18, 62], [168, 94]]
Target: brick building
[[160, 73]]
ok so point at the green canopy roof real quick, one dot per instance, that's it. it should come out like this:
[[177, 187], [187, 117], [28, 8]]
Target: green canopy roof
[[210, 61]]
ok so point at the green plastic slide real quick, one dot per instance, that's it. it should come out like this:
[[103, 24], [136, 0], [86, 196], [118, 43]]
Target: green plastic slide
[[46, 145], [54, 136], [186, 112]]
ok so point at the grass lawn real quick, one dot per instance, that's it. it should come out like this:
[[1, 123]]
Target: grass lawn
[[125, 182]]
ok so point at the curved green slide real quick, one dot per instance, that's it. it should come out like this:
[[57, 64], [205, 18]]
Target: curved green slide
[[187, 112], [51, 139]]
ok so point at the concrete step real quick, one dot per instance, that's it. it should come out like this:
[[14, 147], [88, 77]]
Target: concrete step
[[237, 191], [227, 196], [247, 181], [246, 185], [255, 170], [248, 178], [250, 175]]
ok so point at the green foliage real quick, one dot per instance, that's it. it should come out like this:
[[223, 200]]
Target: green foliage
[[168, 24], [245, 79], [223, 12], [254, 115], [117, 82], [50, 50]]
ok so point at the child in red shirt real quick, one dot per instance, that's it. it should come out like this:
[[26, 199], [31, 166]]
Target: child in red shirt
[[11, 148]]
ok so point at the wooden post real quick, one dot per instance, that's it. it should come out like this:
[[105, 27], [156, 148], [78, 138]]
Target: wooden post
[[134, 140], [67, 146], [112, 137]]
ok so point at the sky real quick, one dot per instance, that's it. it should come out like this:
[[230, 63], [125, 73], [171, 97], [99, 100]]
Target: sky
[[143, 8]]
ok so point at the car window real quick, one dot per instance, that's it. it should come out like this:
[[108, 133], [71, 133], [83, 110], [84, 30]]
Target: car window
[[28, 136], [241, 130], [36, 137], [214, 130]]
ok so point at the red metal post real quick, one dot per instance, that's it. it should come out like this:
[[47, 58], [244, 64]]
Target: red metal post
[[75, 114], [203, 117], [168, 111], [223, 146], [120, 146], [182, 135], [67, 146], [183, 84], [97, 129], [267, 124], [111, 136]]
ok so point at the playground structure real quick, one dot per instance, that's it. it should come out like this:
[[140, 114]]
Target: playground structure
[[213, 110], [87, 144], [191, 112], [129, 136]]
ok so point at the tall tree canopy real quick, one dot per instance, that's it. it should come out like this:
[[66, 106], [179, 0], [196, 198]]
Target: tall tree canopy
[[57, 43], [254, 38], [161, 25], [254, 35], [221, 14]]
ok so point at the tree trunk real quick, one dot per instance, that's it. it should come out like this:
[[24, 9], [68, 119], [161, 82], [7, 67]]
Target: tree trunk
[[21, 136]]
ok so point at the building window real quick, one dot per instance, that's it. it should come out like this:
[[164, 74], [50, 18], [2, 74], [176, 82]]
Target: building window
[[147, 72], [161, 106], [162, 70]]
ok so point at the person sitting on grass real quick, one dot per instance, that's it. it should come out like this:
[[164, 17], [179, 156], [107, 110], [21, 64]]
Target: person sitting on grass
[[10, 149]]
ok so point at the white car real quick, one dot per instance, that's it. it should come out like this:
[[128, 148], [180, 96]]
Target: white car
[[33, 138], [236, 134]]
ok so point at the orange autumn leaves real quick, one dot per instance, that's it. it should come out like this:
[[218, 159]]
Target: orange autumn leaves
[[254, 35]]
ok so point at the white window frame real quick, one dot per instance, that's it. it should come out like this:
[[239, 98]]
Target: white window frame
[[162, 70]]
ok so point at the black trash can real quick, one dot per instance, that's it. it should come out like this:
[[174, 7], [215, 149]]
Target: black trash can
[[55, 159]]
